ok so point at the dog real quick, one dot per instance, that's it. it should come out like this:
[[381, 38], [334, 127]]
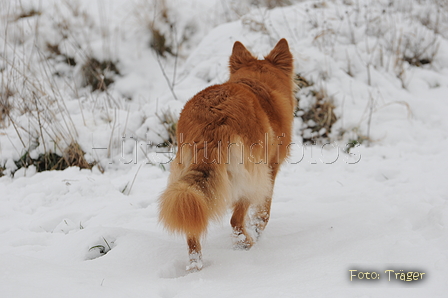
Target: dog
[[232, 139]]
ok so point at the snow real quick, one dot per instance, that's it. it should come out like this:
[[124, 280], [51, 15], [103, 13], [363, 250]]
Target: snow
[[84, 233]]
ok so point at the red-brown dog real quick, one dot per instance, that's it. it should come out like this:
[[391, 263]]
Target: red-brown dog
[[232, 139]]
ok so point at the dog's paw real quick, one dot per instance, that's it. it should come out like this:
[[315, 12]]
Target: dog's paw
[[242, 242], [258, 232], [256, 227], [194, 267], [195, 263]]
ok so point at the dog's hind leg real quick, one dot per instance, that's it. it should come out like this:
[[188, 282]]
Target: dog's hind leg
[[262, 215], [263, 211], [243, 240], [195, 254]]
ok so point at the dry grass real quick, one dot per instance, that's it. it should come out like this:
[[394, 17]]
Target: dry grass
[[321, 114], [28, 13], [159, 43], [2, 170], [73, 157], [169, 121], [318, 117], [270, 4], [33, 93], [154, 15], [5, 105], [98, 75], [55, 52], [301, 82]]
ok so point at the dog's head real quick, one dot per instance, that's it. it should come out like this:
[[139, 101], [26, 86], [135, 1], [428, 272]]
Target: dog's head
[[276, 68], [279, 58]]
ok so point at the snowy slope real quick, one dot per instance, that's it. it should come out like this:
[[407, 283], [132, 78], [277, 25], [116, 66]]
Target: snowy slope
[[82, 233]]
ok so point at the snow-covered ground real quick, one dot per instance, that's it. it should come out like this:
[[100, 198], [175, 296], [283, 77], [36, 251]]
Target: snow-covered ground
[[83, 233]]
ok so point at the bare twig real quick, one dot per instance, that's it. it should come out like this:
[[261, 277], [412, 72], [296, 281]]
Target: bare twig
[[170, 84], [133, 180]]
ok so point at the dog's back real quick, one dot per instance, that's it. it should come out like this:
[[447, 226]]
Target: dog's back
[[232, 139]]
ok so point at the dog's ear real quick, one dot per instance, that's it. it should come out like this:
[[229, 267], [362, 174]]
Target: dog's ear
[[240, 56], [281, 57]]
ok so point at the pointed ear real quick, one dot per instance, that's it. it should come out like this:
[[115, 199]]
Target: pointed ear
[[240, 56], [281, 57]]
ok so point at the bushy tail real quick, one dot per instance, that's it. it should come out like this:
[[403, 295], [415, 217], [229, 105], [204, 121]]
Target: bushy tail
[[188, 204]]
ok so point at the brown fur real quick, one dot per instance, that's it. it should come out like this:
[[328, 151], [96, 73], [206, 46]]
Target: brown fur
[[232, 139]]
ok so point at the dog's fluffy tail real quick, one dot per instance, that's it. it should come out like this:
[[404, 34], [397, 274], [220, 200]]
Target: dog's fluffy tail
[[188, 204]]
